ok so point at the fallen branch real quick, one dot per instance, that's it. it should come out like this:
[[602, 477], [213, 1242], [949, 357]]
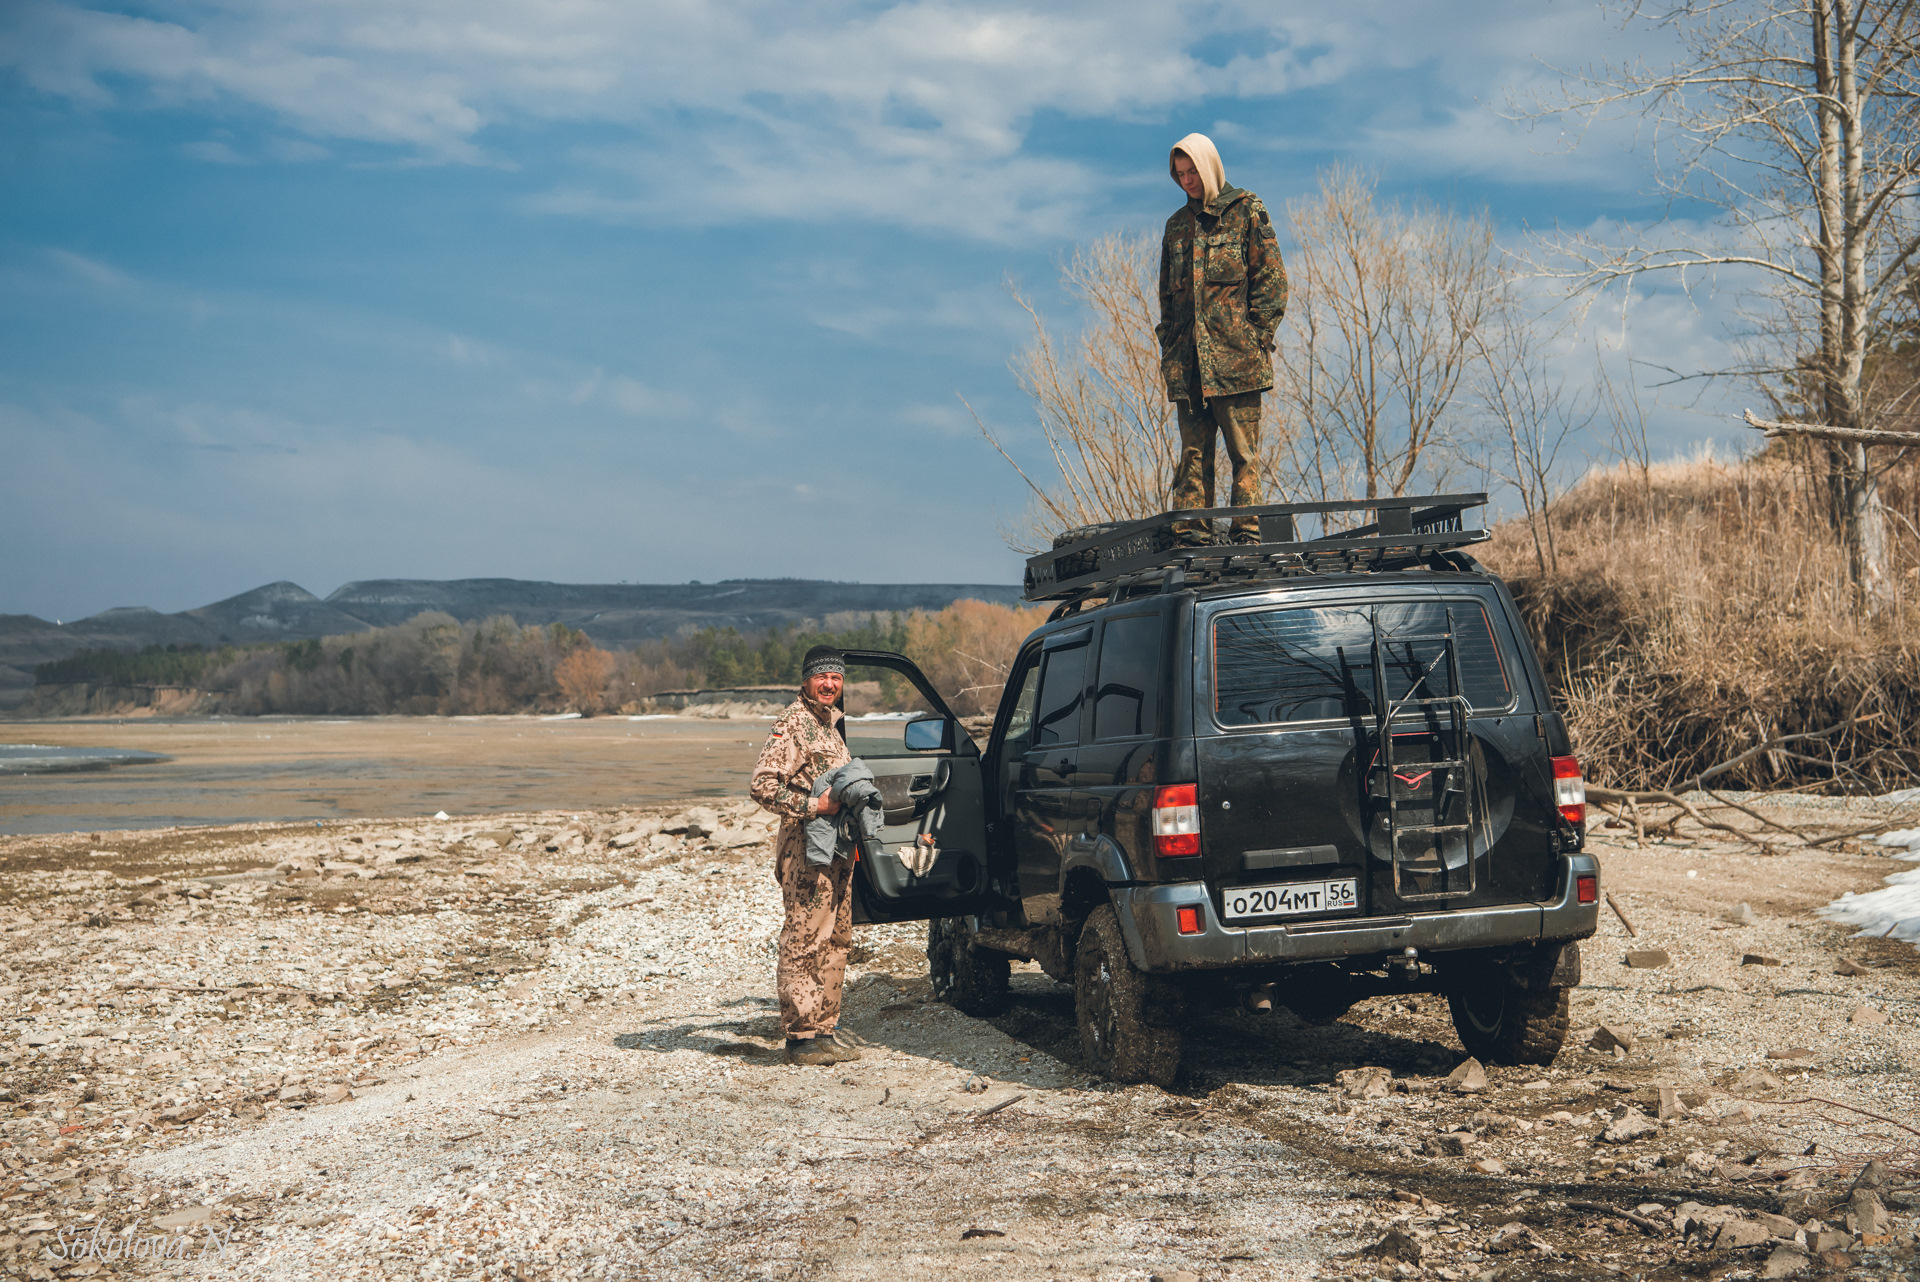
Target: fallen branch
[[1862, 435], [1778, 827], [1821, 1099], [1621, 914], [1669, 799], [1639, 1221], [1856, 832], [1005, 1103], [1699, 781]]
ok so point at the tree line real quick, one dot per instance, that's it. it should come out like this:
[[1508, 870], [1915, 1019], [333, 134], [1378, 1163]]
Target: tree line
[[435, 665]]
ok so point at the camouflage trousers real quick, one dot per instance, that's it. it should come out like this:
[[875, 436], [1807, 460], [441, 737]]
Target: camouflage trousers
[[814, 939], [1236, 420]]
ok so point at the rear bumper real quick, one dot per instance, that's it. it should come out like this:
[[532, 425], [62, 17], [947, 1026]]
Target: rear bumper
[[1148, 920]]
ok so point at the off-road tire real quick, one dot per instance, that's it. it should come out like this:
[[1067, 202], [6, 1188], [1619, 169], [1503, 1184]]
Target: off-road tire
[[970, 979], [1112, 1002], [1500, 1022]]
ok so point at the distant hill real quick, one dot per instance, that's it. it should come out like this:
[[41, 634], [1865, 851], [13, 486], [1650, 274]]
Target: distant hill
[[616, 616]]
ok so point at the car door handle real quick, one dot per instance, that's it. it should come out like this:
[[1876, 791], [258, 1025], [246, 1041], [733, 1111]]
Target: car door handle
[[920, 786], [1066, 764]]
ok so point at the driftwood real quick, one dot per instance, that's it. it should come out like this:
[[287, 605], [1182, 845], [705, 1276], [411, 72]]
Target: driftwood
[[1858, 435], [1698, 783]]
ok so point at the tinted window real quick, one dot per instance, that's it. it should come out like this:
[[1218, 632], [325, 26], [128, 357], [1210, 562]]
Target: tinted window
[[1316, 663], [1020, 720], [1124, 702], [1062, 690]]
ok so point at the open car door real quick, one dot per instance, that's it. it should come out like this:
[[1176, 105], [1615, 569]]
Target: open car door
[[928, 771]]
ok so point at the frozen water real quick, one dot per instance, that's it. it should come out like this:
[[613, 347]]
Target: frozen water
[[1908, 837], [40, 758]]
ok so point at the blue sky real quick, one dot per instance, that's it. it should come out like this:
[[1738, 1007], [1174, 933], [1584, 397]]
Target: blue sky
[[649, 292]]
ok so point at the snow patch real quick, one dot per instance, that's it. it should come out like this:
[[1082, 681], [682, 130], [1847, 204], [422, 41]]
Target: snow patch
[[1890, 913]]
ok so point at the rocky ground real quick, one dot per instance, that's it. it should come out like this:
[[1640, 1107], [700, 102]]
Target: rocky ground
[[545, 1047]]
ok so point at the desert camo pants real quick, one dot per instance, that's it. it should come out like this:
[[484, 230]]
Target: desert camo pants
[[814, 939], [1236, 420]]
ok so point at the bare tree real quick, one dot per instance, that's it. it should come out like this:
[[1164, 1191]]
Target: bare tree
[[1103, 406], [1627, 427], [1796, 119], [1384, 328], [1526, 414]]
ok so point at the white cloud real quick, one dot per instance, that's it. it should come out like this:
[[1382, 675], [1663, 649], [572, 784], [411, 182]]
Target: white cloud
[[214, 152], [916, 112], [91, 270]]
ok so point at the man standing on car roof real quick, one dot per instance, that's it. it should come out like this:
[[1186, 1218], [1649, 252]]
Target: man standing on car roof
[[1223, 291], [805, 743]]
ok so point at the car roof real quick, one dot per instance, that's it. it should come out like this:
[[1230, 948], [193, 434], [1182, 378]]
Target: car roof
[[1279, 586]]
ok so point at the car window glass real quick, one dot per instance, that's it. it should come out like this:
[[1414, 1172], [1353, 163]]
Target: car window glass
[[1020, 722], [1062, 690], [1316, 663], [1483, 669], [1124, 698]]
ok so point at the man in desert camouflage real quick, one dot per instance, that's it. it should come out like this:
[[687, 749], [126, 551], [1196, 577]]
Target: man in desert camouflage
[[1223, 291], [804, 744]]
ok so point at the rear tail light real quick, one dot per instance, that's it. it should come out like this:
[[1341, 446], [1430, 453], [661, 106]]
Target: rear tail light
[[1189, 919], [1570, 790], [1587, 888], [1176, 820]]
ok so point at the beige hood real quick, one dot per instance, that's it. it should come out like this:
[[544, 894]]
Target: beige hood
[[1206, 158]]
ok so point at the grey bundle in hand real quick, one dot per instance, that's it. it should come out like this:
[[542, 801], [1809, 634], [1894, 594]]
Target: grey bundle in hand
[[831, 837]]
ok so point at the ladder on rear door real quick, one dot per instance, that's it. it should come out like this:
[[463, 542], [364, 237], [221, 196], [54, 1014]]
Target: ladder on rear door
[[1449, 770]]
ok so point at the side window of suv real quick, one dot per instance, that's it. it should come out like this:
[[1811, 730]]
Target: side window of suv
[[1063, 688], [1125, 698], [1020, 720]]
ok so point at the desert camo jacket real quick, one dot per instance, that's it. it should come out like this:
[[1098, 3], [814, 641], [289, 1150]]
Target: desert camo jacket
[[800, 748], [1223, 290]]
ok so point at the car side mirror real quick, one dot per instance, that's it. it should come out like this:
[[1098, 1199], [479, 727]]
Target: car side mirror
[[927, 735]]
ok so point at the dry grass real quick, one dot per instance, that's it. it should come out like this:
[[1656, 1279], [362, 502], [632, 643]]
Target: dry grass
[[1701, 608]]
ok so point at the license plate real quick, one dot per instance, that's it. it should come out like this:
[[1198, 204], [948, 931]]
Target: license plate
[[1292, 899]]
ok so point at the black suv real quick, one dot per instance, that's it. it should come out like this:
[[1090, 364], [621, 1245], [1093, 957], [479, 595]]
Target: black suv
[[1304, 770]]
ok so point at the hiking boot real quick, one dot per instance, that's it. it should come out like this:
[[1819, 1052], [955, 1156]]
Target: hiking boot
[[812, 1051]]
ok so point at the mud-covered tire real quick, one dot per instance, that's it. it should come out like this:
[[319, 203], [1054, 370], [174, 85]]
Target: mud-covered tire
[[971, 980], [1122, 1014], [1500, 1022]]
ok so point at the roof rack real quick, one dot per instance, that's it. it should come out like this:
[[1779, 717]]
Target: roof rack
[[1405, 531]]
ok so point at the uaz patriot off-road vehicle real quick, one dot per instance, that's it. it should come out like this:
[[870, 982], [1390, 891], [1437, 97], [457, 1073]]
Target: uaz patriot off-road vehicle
[[1321, 768]]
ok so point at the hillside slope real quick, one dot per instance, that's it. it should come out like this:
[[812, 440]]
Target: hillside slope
[[616, 616]]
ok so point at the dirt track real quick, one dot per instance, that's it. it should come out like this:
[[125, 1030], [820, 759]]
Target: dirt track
[[493, 1048]]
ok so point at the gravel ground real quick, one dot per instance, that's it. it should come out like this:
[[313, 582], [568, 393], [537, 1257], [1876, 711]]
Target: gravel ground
[[545, 1047]]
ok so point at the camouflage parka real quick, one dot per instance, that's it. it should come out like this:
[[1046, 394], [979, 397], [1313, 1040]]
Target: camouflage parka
[[804, 744], [1220, 266]]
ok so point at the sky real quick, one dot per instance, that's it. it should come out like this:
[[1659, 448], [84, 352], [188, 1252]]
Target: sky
[[650, 292]]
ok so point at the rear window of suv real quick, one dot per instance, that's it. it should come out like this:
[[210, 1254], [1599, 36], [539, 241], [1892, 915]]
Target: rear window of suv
[[1315, 663]]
